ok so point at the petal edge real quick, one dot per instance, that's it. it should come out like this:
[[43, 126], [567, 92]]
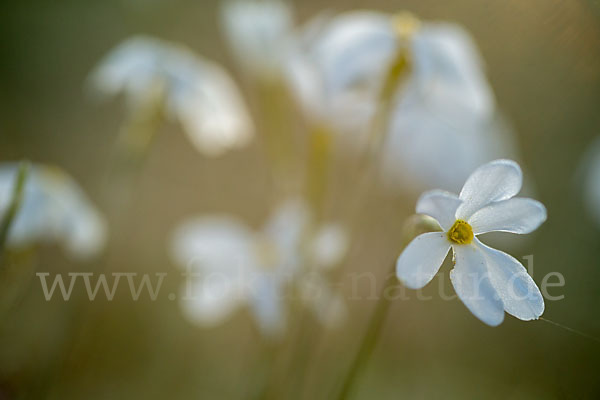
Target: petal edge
[[495, 181], [472, 284], [421, 259]]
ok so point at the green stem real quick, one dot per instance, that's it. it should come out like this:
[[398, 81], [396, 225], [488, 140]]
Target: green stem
[[368, 164], [413, 227], [139, 131], [133, 144], [15, 204], [320, 147], [396, 73], [369, 339], [274, 111]]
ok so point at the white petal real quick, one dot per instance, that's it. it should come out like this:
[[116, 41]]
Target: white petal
[[54, 208], [449, 69], [211, 109], [199, 93], [421, 259], [495, 181], [440, 205], [329, 246], [257, 31], [433, 143], [86, 231], [305, 84], [471, 281], [78, 224], [130, 67], [268, 305], [209, 301], [518, 291], [217, 254], [286, 226], [31, 223], [355, 50], [214, 244], [516, 215]]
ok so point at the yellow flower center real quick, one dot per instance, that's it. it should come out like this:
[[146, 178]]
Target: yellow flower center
[[461, 232], [405, 24]]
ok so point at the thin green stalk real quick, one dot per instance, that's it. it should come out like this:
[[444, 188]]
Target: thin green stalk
[[133, 144], [396, 74], [369, 339], [413, 227], [320, 151], [15, 204], [274, 110], [367, 165], [398, 71], [299, 355], [139, 131], [376, 135]]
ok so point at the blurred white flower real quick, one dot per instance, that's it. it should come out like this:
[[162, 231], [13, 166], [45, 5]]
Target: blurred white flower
[[591, 185], [257, 32], [53, 209], [443, 108], [436, 148], [230, 266], [487, 281], [198, 93], [355, 50]]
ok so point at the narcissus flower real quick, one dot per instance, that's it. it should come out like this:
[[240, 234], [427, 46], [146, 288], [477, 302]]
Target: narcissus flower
[[231, 266], [53, 209], [198, 93], [487, 281]]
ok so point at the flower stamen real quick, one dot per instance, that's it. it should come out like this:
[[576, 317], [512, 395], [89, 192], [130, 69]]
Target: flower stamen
[[461, 232], [405, 24]]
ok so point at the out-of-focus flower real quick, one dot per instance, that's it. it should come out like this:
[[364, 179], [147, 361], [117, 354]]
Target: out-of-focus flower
[[354, 52], [487, 281], [198, 93], [257, 32], [591, 185], [231, 266], [53, 209], [442, 107], [429, 148]]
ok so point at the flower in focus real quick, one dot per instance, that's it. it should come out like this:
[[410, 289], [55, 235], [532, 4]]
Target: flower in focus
[[230, 266], [257, 32], [487, 281], [53, 209], [591, 192], [441, 106], [198, 93]]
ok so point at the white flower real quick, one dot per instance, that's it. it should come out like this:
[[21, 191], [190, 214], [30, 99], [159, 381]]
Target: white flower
[[355, 50], [53, 208], [438, 148], [233, 266], [444, 107], [487, 281], [257, 32], [197, 92]]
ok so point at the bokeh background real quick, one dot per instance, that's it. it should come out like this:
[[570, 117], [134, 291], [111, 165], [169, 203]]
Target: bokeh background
[[543, 61]]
